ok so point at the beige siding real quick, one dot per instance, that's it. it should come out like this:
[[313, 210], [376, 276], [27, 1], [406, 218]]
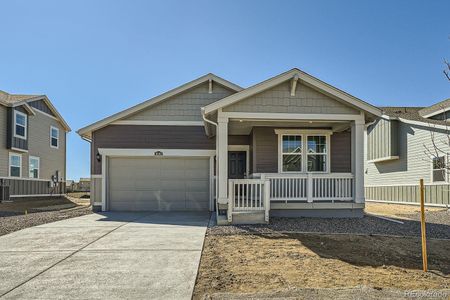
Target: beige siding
[[434, 194], [279, 100], [51, 159], [3, 151], [96, 190], [413, 163], [185, 106]]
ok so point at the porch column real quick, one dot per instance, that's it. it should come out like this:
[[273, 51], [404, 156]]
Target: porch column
[[358, 159], [222, 161]]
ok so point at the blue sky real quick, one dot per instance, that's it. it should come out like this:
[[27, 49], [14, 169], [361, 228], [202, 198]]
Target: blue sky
[[95, 58]]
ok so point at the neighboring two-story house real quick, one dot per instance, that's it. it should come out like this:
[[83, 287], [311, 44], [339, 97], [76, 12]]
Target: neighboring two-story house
[[405, 145], [32, 147]]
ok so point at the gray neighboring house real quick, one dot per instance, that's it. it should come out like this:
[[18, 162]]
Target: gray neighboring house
[[32, 147], [397, 157], [291, 145]]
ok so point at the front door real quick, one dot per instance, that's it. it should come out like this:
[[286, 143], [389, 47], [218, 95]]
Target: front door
[[237, 162]]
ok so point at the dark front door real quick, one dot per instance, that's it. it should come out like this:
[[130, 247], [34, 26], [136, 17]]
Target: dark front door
[[237, 162]]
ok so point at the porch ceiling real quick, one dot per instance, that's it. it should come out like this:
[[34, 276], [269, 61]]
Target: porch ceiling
[[244, 127]]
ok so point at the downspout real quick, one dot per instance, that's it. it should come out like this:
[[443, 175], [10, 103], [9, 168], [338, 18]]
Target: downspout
[[216, 182]]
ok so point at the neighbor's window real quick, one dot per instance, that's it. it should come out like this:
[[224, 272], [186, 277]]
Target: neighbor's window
[[20, 125], [54, 137], [439, 169], [15, 165], [292, 153], [34, 167], [317, 153]]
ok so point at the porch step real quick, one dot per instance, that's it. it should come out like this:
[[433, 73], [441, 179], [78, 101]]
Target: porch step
[[222, 220], [248, 217]]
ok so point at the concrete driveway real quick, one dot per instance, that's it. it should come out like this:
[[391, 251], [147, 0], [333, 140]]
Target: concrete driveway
[[104, 256]]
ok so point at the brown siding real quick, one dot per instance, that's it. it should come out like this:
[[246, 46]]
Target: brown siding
[[265, 150], [340, 156], [143, 137]]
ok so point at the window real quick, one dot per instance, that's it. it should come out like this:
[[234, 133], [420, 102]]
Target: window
[[439, 169], [303, 150], [15, 165], [20, 125], [292, 153], [54, 137], [34, 167], [317, 153]]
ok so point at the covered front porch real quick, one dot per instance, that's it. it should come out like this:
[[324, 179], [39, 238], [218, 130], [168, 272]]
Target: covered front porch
[[289, 168], [289, 146]]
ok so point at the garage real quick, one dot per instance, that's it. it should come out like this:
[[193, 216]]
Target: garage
[[158, 184]]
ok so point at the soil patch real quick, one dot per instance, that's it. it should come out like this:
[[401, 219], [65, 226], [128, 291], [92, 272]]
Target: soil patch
[[270, 262]]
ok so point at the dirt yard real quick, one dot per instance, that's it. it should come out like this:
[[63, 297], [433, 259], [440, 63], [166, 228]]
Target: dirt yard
[[256, 263], [311, 258], [24, 213]]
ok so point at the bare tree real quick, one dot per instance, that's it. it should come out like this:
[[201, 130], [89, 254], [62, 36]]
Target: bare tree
[[447, 69]]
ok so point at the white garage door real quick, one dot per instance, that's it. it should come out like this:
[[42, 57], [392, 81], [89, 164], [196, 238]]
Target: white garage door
[[154, 184]]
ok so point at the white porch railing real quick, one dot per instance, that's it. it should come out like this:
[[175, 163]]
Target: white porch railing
[[310, 187], [246, 195]]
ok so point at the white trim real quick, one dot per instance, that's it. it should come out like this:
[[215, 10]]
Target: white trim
[[293, 117], [246, 149], [211, 183], [306, 78], [386, 158], [45, 114], [36, 195], [16, 112], [57, 138], [164, 123], [86, 131], [304, 154], [25, 178], [96, 175], [9, 165], [424, 124], [38, 168], [437, 112], [151, 152], [96, 204], [104, 177], [18, 149]]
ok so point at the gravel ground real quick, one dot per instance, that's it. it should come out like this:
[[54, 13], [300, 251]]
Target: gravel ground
[[10, 222], [438, 226]]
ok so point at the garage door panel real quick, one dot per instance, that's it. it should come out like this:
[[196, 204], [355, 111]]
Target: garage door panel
[[197, 186], [139, 184]]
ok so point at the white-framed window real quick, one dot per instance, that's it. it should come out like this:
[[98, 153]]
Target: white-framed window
[[291, 153], [20, 124], [33, 166], [303, 151], [54, 137], [15, 165], [317, 154], [439, 172]]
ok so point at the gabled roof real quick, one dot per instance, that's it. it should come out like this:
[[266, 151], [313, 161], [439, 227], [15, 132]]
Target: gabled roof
[[86, 131], [14, 100], [435, 109], [302, 76]]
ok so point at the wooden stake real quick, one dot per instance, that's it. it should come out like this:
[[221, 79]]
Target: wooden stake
[[422, 226]]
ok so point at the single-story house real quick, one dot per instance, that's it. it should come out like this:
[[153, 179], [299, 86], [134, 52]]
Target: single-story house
[[291, 145], [405, 145]]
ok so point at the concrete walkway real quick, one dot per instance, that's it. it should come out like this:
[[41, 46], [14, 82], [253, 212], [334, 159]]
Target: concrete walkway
[[104, 256]]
